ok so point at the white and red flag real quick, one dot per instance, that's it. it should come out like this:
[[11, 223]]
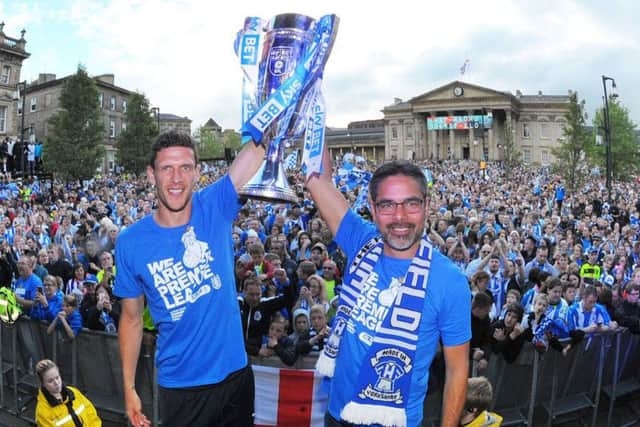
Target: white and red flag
[[288, 398]]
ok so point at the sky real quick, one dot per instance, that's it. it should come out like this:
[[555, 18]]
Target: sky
[[180, 53]]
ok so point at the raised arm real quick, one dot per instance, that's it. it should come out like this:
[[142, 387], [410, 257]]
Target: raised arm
[[328, 199], [246, 164]]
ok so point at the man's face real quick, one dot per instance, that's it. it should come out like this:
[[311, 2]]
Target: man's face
[[401, 228], [175, 175], [252, 295], [555, 294], [541, 254], [106, 260], [24, 267], [328, 270], [494, 265]]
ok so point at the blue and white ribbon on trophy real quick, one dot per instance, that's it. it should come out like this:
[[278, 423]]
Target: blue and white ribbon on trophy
[[297, 104]]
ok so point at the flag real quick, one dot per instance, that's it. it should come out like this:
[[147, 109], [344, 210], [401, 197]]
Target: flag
[[464, 67], [288, 398], [291, 161]]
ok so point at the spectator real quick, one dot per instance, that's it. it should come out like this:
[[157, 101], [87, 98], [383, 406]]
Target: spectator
[[107, 273], [318, 333], [539, 328], [480, 329], [48, 300], [331, 278], [258, 266], [61, 405], [68, 319], [628, 312], [300, 325], [90, 258], [256, 313], [314, 293], [75, 284], [513, 297], [26, 283], [58, 265], [105, 314], [588, 316], [278, 343], [476, 405], [506, 334], [318, 256]]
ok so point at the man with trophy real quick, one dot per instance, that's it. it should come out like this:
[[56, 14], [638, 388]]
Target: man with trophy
[[399, 296]]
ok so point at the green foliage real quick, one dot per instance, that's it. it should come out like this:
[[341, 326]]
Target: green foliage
[[625, 152], [212, 144], [510, 155], [73, 149], [134, 142], [571, 151]]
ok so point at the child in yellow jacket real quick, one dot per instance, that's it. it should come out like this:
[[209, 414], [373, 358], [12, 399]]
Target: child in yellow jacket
[[479, 396]]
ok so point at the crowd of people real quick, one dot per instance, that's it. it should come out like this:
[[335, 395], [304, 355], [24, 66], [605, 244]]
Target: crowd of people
[[543, 264]]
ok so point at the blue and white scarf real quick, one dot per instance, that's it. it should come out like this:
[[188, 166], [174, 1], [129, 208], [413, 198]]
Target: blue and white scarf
[[384, 380]]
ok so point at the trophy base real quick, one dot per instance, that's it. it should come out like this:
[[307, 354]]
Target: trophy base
[[269, 190]]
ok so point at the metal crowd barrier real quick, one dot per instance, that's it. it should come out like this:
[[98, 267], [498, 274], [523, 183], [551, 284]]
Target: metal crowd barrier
[[549, 384]]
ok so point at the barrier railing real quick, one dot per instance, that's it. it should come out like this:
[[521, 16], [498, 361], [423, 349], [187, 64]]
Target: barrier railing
[[551, 383]]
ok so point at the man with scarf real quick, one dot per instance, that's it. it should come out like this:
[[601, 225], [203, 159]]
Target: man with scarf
[[399, 298]]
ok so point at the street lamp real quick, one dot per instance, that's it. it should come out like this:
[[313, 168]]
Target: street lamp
[[156, 112], [21, 92], [607, 131]]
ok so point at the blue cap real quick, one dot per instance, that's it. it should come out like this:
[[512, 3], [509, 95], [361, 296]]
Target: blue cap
[[91, 279]]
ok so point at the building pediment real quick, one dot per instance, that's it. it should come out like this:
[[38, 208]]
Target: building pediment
[[459, 90]]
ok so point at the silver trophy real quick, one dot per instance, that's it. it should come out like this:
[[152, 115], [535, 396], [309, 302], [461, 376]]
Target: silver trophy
[[287, 42]]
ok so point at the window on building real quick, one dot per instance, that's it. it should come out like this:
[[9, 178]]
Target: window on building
[[5, 77], [545, 131], [101, 100], [124, 105], [47, 100], [112, 103], [526, 156], [394, 132], [20, 106], [544, 157], [34, 104], [124, 126], [525, 130], [112, 129], [409, 131], [3, 119]]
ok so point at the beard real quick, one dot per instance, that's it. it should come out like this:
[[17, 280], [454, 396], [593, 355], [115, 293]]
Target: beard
[[403, 242]]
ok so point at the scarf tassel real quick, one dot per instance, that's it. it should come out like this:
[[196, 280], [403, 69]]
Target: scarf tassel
[[325, 365]]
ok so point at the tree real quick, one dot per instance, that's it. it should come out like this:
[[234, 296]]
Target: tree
[[571, 151], [210, 145], [134, 142], [74, 148], [510, 155], [625, 152]]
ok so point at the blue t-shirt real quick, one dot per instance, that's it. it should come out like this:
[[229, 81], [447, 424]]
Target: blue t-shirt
[[54, 306], [186, 275], [26, 288], [446, 315]]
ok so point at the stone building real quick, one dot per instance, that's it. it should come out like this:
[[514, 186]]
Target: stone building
[[464, 121], [172, 122], [42, 102], [12, 53], [363, 138]]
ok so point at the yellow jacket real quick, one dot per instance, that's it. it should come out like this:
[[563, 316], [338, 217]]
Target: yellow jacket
[[486, 419], [58, 415]]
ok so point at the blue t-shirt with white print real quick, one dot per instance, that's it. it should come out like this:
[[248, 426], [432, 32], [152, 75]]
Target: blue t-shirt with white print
[[186, 275], [446, 315]]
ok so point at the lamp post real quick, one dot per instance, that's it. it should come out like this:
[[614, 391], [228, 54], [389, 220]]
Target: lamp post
[[156, 112], [22, 93], [607, 132]]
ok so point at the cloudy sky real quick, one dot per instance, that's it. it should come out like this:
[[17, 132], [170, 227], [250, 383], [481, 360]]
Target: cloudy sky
[[180, 53]]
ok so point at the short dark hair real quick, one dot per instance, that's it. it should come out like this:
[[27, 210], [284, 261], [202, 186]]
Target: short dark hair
[[517, 310], [394, 168], [481, 300], [172, 138]]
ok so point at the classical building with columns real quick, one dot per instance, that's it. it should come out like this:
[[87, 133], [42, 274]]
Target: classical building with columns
[[465, 121]]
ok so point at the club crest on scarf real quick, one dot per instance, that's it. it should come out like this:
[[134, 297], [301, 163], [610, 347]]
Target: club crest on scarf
[[390, 364]]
